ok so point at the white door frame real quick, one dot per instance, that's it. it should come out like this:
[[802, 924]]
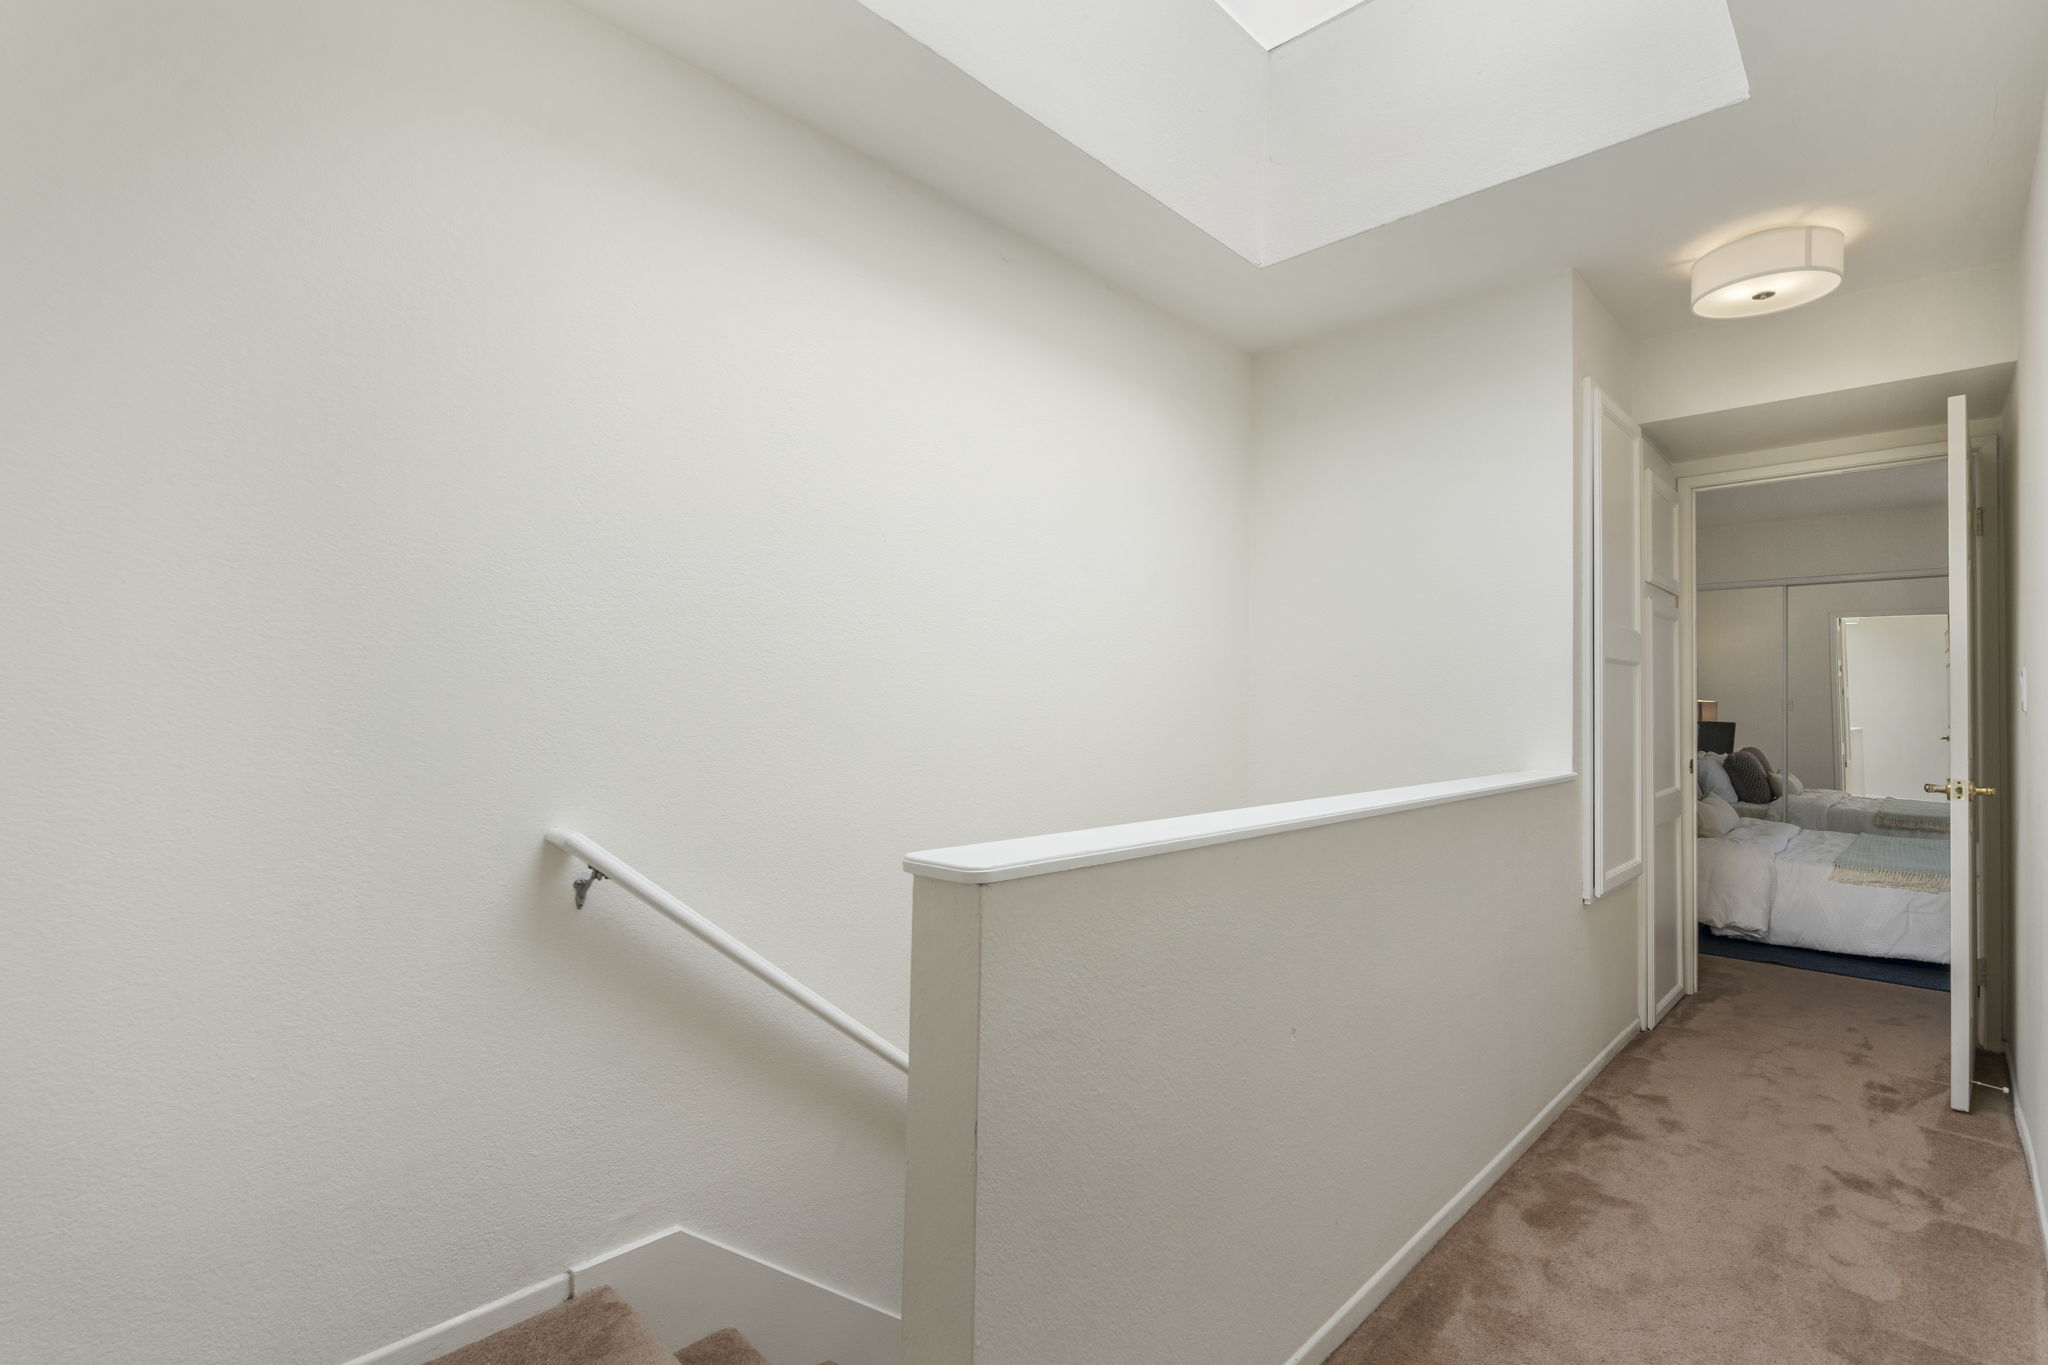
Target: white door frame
[[1662, 807], [1728, 473]]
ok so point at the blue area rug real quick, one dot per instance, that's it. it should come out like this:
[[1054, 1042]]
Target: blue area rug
[[1928, 976]]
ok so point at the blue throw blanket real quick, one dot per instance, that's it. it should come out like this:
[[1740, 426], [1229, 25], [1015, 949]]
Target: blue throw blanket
[[1929, 817], [1903, 864]]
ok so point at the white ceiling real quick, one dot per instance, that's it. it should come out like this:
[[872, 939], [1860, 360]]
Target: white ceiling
[[1860, 490], [1273, 22], [1910, 125]]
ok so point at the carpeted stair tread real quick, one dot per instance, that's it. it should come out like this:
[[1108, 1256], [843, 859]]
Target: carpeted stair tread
[[597, 1328], [723, 1347]]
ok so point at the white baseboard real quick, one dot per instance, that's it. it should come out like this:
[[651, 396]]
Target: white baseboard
[[1345, 1321], [2019, 1120], [686, 1287], [475, 1325]]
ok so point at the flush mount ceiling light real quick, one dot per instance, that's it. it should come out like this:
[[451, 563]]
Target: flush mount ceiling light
[[1767, 272]]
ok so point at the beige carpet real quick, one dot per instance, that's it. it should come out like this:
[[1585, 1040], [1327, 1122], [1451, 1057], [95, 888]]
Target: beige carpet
[[723, 1347], [1773, 1177], [597, 1328]]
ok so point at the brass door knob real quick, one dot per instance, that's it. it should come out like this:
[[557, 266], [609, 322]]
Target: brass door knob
[[1957, 790]]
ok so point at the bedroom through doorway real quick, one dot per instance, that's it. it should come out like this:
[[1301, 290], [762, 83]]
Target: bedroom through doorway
[[1836, 644], [1822, 710]]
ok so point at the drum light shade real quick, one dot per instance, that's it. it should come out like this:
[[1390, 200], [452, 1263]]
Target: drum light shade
[[1768, 272]]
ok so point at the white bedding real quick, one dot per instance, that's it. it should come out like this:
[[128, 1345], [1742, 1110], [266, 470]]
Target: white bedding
[[1818, 808], [1769, 881]]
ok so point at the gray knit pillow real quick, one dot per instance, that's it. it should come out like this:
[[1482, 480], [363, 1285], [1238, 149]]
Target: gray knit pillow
[[1751, 777]]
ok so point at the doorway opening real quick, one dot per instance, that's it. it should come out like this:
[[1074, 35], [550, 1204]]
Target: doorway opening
[[1836, 655]]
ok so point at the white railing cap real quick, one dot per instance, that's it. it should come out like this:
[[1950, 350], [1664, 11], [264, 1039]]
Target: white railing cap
[[1008, 859]]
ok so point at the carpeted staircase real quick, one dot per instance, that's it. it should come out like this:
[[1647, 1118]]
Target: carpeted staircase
[[597, 1328]]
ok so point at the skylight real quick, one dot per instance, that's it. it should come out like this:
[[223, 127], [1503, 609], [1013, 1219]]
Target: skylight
[[1273, 22], [1341, 115]]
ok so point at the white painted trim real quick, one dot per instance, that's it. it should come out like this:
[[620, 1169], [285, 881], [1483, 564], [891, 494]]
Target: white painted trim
[[1584, 640], [686, 1286], [1009, 859], [1374, 1291], [2019, 1120], [1672, 798], [473, 1326], [1688, 727]]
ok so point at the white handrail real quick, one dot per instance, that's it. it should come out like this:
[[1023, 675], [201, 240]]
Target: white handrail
[[616, 869]]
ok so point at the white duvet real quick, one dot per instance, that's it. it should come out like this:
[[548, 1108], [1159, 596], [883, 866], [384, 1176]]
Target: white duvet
[[1819, 808], [1769, 881]]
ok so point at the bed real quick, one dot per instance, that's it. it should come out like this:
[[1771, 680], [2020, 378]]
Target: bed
[[1777, 883], [1820, 809]]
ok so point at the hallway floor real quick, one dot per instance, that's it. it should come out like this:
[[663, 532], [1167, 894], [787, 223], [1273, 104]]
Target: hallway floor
[[1773, 1177]]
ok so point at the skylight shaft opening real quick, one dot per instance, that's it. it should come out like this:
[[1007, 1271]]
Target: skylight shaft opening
[[1274, 22]]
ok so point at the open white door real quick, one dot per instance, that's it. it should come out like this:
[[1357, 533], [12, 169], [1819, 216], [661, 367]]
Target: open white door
[[1961, 787], [1668, 931]]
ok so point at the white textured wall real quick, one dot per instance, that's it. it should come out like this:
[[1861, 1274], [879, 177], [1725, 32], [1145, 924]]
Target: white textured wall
[[2026, 524], [430, 421], [1412, 578], [1891, 540], [1211, 1092]]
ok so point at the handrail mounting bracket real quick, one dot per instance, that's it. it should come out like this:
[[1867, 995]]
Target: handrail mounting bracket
[[583, 885]]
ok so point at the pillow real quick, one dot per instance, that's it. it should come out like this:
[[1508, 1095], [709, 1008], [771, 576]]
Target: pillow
[[1717, 818], [1714, 777], [1760, 756], [1751, 779], [1793, 786], [1777, 786]]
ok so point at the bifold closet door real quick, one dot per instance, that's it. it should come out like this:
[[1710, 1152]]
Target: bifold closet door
[[1615, 784]]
